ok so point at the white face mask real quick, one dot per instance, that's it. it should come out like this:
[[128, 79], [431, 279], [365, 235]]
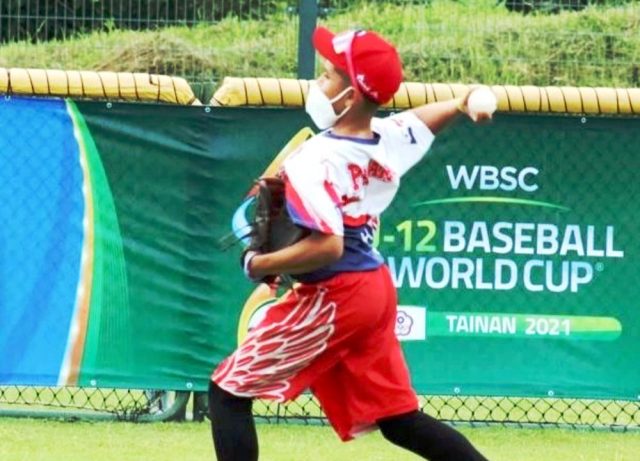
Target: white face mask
[[320, 107]]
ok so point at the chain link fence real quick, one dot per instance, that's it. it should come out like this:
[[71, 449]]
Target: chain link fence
[[99, 404], [508, 411], [42, 20], [38, 20], [145, 406]]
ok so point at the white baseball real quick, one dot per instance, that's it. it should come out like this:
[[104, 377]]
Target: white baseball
[[482, 101]]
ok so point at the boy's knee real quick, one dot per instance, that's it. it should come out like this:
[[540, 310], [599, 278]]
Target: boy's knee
[[219, 398], [397, 430]]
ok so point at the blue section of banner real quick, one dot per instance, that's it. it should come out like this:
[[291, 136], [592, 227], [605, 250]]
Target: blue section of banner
[[41, 213]]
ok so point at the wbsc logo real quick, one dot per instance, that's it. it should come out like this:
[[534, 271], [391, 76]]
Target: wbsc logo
[[489, 177]]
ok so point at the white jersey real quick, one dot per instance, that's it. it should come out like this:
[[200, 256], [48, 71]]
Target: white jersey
[[340, 185]]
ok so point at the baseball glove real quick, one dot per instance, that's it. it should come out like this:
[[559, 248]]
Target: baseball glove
[[272, 228]]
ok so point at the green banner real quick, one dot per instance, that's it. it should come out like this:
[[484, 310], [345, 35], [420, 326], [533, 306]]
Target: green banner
[[518, 240], [177, 176], [512, 246]]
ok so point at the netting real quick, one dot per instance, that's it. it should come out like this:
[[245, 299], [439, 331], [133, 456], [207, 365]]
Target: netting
[[511, 411], [139, 405], [96, 403]]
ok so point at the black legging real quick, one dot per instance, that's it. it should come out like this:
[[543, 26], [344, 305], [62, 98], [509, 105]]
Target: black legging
[[235, 438], [232, 426], [428, 437]]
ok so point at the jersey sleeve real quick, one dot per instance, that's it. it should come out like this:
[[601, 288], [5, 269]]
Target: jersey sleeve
[[408, 138], [313, 195]]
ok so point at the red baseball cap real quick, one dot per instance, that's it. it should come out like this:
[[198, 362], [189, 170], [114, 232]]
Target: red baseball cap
[[371, 62]]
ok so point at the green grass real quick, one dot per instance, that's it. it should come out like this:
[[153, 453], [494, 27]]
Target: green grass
[[465, 41], [47, 440]]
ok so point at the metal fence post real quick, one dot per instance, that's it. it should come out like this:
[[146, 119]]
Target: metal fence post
[[308, 11]]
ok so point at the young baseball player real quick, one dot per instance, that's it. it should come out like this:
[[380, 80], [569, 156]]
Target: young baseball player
[[334, 334]]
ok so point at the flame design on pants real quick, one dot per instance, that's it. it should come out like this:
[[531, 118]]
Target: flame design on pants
[[272, 353]]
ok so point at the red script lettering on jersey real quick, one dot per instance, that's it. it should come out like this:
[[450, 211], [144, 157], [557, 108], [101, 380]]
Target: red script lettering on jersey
[[360, 176]]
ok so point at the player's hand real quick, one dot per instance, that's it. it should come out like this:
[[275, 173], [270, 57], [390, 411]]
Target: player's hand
[[479, 113], [245, 262]]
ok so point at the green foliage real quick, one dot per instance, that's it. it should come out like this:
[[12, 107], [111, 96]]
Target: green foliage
[[445, 41], [46, 20], [480, 41], [555, 6]]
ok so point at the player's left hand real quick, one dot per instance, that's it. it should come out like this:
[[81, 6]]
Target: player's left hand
[[245, 262]]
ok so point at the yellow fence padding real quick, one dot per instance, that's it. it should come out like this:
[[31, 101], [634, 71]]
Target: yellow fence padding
[[236, 91], [124, 86]]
